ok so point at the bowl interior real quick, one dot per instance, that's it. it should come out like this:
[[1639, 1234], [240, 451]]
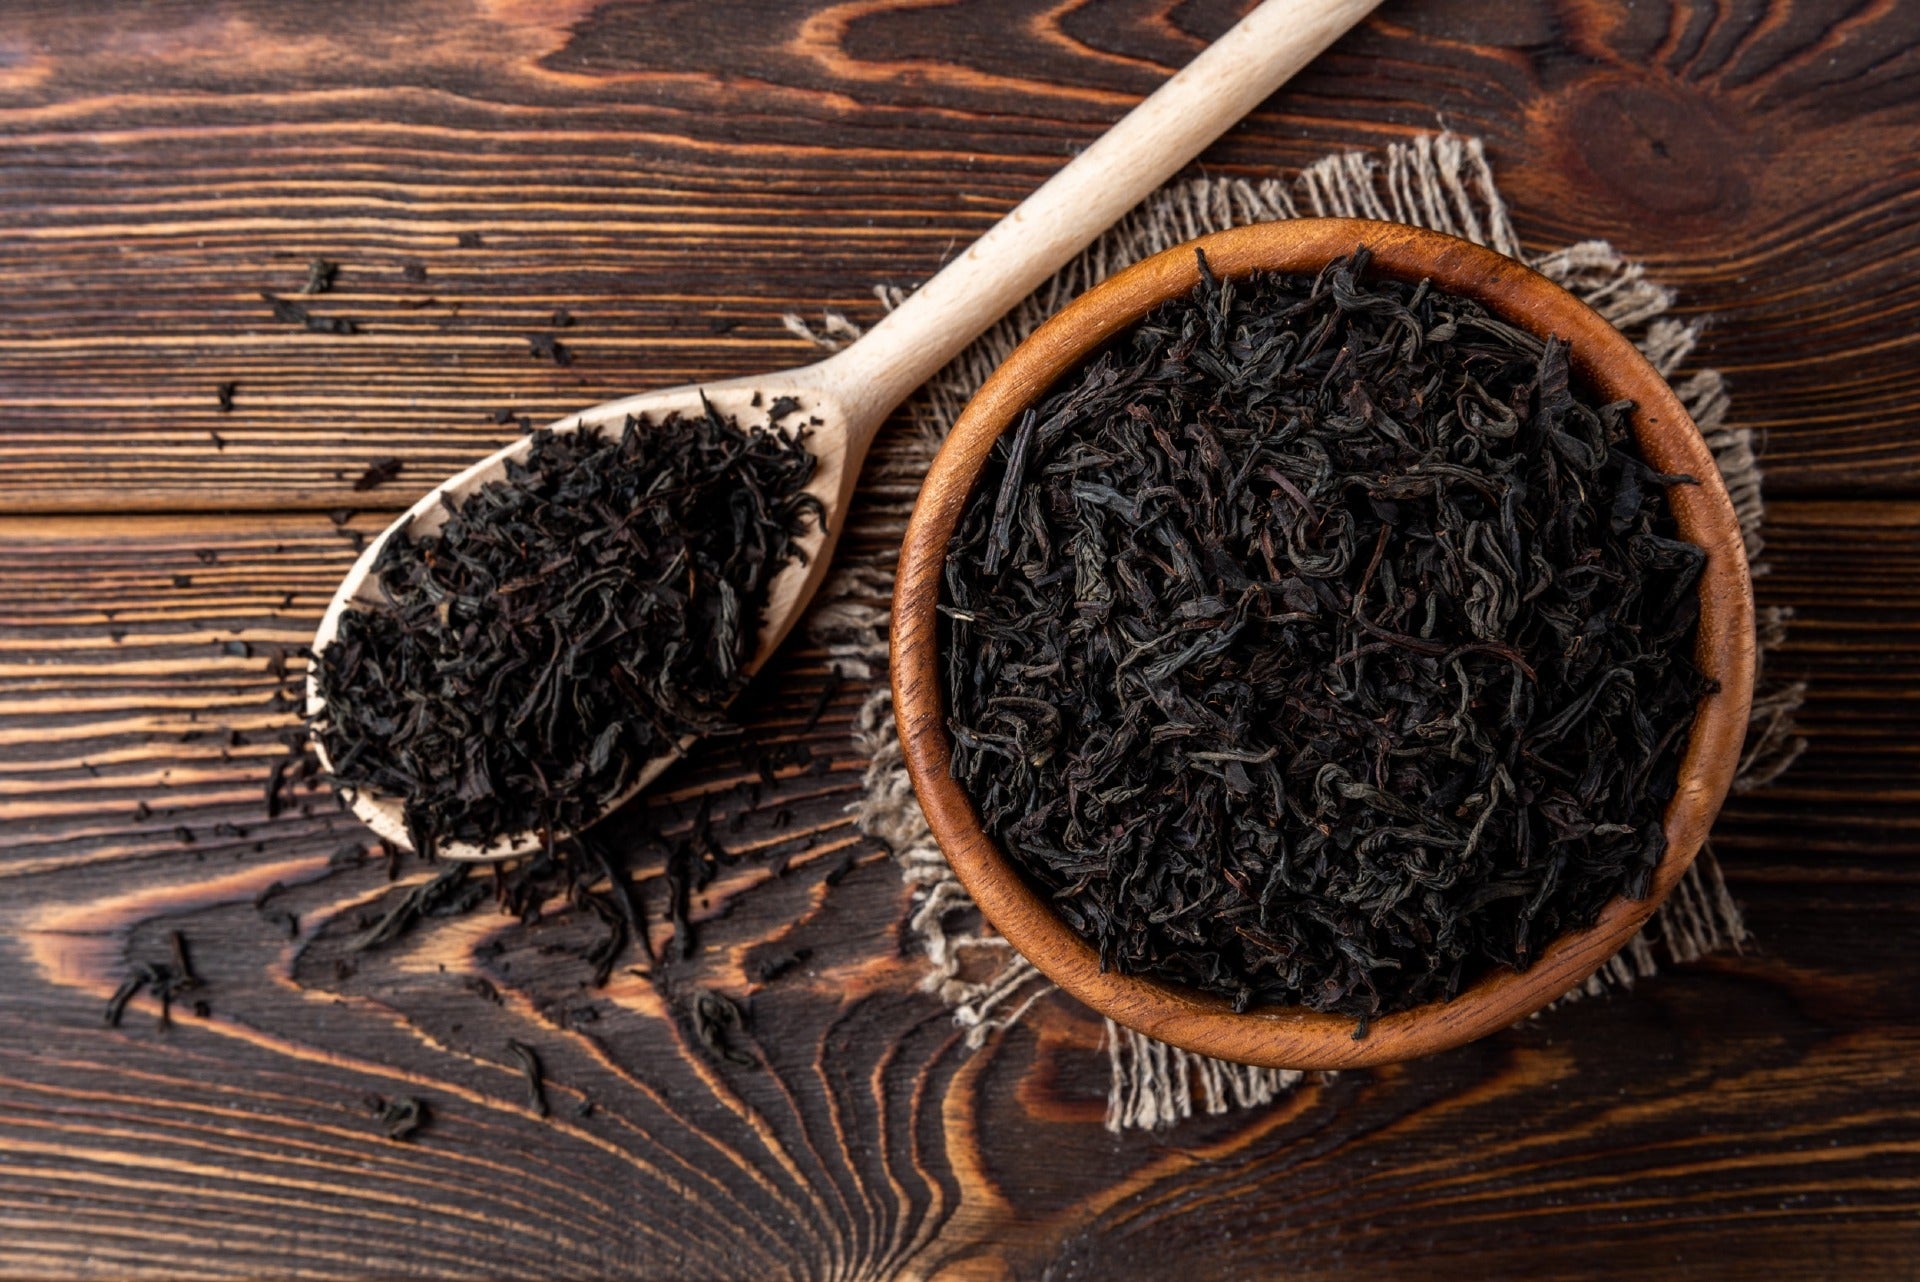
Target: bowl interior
[[1292, 1037]]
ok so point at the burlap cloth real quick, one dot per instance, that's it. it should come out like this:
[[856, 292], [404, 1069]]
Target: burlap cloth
[[1438, 181]]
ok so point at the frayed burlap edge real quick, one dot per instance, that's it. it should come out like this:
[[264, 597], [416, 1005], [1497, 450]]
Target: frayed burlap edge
[[1438, 181]]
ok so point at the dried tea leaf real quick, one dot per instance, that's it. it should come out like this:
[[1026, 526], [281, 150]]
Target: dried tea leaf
[[1320, 642], [378, 473], [567, 625], [716, 1017], [535, 1075], [400, 1117]]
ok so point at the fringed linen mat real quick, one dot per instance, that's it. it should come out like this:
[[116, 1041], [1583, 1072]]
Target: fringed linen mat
[[1441, 182]]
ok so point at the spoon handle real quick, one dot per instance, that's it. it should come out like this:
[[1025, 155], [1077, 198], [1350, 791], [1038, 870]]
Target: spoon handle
[[1149, 145]]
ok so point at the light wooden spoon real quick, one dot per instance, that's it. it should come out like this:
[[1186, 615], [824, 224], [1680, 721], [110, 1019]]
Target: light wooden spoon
[[852, 392]]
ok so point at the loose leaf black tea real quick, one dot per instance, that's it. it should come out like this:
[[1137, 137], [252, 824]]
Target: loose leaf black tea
[[716, 1017], [770, 968], [378, 473], [570, 623], [294, 314], [448, 894], [400, 1117], [168, 980], [1320, 643], [321, 275], [535, 1076]]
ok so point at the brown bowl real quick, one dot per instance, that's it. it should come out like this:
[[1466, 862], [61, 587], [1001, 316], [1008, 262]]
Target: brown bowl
[[1287, 1036]]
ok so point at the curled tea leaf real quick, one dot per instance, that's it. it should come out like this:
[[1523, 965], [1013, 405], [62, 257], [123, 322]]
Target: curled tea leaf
[[1320, 642], [568, 624]]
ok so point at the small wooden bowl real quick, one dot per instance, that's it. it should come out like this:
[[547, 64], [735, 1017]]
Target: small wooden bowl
[[1285, 1036]]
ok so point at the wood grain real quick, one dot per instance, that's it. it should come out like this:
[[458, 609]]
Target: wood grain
[[678, 180], [870, 1141], [666, 171]]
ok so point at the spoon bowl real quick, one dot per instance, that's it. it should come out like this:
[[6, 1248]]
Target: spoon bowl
[[839, 423]]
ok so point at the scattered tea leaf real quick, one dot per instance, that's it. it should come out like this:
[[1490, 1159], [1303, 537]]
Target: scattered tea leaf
[[168, 980], [530, 1068], [401, 1117], [449, 894], [716, 1018], [294, 314], [378, 473], [772, 967], [320, 276]]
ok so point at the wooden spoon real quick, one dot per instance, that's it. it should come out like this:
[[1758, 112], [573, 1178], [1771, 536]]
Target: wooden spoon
[[853, 392]]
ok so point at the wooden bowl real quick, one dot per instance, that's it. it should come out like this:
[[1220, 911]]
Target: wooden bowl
[[1287, 1036]]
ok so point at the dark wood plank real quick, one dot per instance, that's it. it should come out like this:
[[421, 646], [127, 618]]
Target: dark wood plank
[[1641, 1131], [1846, 571], [678, 175]]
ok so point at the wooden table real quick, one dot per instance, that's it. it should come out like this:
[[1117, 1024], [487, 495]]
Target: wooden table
[[677, 174]]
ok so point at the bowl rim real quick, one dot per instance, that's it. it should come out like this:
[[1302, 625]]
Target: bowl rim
[[1283, 1036]]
